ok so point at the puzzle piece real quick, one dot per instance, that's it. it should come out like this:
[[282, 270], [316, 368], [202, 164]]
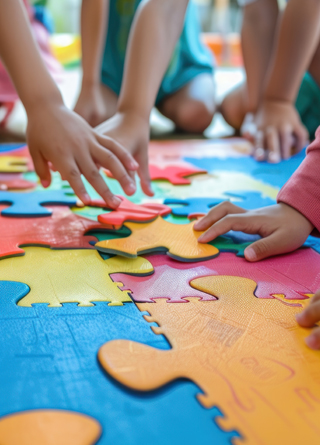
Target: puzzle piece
[[246, 354], [192, 206], [31, 204], [70, 276], [19, 152], [10, 164], [313, 242], [170, 280], [176, 174], [179, 241], [251, 200], [273, 174], [49, 427], [62, 230], [128, 211], [15, 181]]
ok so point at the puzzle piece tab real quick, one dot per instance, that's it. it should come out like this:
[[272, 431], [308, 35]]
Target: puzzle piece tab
[[70, 276], [49, 427], [247, 355], [192, 206], [251, 200], [62, 230], [31, 204], [176, 174], [128, 211], [179, 241]]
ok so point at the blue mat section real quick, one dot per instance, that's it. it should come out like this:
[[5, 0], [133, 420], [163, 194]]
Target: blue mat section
[[273, 174], [48, 359], [9, 148]]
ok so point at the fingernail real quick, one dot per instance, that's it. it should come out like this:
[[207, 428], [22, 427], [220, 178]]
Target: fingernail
[[274, 157], [134, 165], [116, 201], [250, 254], [312, 342], [86, 199], [299, 317], [45, 183], [200, 239]]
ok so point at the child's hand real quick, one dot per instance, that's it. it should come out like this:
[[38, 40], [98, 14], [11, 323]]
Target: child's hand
[[132, 132], [90, 105], [308, 318], [58, 136], [282, 228], [278, 131]]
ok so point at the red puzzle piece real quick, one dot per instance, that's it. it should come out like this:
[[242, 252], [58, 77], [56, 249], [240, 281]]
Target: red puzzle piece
[[128, 211], [171, 278], [15, 181], [62, 230], [174, 173]]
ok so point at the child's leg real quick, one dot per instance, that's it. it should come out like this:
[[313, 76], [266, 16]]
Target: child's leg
[[192, 107], [234, 106]]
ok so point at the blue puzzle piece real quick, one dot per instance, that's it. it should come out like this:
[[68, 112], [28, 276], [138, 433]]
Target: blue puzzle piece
[[30, 204], [49, 360], [192, 205], [313, 242], [251, 200], [9, 148], [274, 174]]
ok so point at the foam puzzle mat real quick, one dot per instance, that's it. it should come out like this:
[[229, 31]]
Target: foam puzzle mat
[[117, 327]]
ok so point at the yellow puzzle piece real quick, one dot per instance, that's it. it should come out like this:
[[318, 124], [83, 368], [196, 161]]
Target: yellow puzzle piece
[[246, 354], [13, 164], [49, 427], [179, 240], [70, 276]]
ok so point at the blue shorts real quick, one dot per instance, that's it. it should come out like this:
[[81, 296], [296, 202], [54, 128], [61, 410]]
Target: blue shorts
[[190, 57]]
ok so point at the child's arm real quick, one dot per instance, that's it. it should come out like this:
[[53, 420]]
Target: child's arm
[[156, 28], [285, 226], [278, 123], [93, 32], [54, 133]]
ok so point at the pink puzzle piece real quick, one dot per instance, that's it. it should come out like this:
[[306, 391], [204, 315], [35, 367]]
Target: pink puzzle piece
[[300, 275], [174, 173], [15, 181], [128, 211], [62, 230]]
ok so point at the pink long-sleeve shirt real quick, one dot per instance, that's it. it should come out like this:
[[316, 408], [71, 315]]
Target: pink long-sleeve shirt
[[302, 191]]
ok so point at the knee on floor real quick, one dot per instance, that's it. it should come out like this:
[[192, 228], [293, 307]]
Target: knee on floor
[[194, 117]]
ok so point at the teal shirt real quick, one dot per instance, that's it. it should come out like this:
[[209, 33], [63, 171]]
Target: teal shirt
[[190, 57]]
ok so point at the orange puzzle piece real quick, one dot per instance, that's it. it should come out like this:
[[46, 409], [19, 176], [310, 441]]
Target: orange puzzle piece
[[49, 427], [246, 354], [180, 241]]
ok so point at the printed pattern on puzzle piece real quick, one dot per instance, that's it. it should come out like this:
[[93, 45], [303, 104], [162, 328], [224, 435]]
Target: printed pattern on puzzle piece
[[70, 276], [171, 279], [30, 204], [246, 354], [178, 241], [47, 427], [62, 230], [65, 341]]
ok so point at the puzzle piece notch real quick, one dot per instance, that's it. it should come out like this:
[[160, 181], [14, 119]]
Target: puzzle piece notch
[[192, 207], [178, 241], [128, 211], [48, 427], [30, 204], [62, 230], [238, 362], [70, 276]]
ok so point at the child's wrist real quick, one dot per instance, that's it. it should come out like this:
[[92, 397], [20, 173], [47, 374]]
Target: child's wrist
[[49, 99]]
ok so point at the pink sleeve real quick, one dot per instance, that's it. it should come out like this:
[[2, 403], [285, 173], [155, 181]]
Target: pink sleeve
[[302, 191]]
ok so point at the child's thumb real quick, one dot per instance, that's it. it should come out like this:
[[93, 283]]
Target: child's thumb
[[263, 248]]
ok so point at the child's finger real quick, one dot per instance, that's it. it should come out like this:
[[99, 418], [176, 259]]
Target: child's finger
[[230, 222], [73, 176], [313, 341], [143, 172], [42, 169], [266, 247], [121, 153], [259, 150], [310, 315], [273, 145], [108, 160], [302, 136], [91, 173], [216, 213], [286, 140]]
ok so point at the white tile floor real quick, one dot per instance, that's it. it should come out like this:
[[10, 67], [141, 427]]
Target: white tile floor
[[226, 79]]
